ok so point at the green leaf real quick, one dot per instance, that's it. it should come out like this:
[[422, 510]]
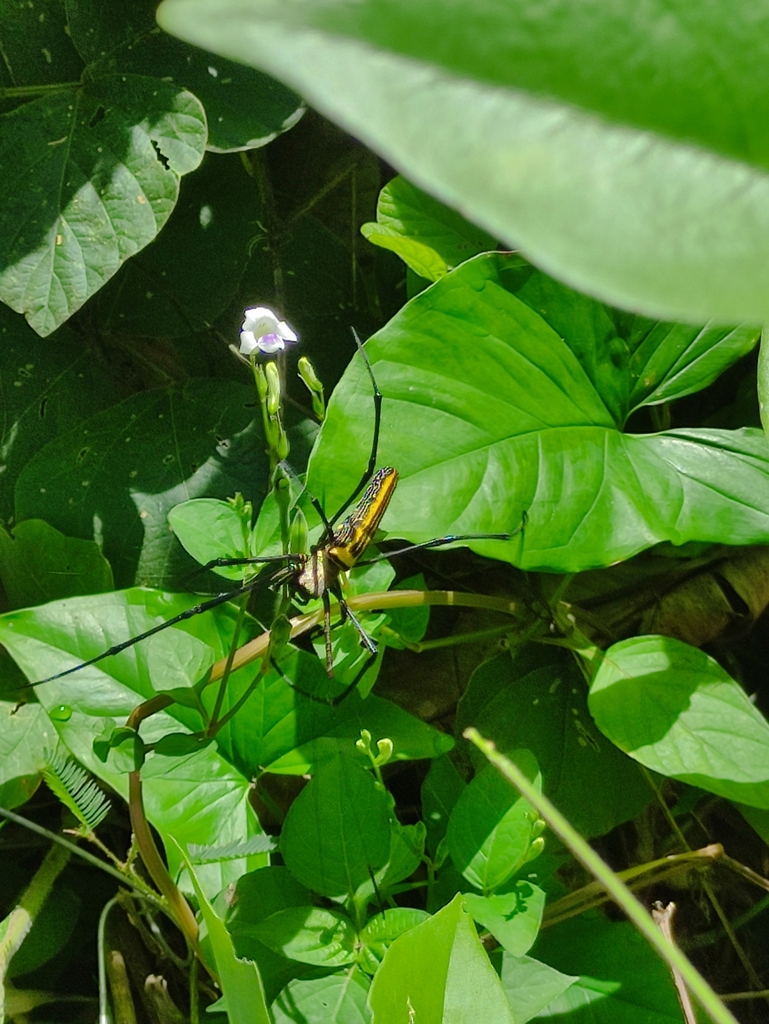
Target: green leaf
[[513, 918], [37, 49], [26, 733], [100, 167], [208, 528], [244, 108], [77, 791], [763, 385], [439, 972], [536, 140], [541, 700], [378, 934], [528, 419], [38, 564], [46, 381], [115, 477], [312, 935], [337, 831], [209, 854], [675, 710], [622, 980], [531, 985], [429, 237], [333, 999], [282, 731], [440, 792], [259, 894], [491, 827], [239, 979], [201, 799]]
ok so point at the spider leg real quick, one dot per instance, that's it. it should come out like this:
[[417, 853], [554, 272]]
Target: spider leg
[[327, 634], [451, 538], [197, 609], [374, 441], [220, 563]]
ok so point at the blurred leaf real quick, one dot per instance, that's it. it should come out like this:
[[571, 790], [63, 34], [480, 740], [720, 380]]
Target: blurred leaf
[[52, 929], [538, 140]]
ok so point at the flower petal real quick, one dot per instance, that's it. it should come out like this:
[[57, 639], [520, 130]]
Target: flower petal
[[247, 343]]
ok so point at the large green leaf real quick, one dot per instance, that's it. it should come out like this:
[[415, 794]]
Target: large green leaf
[[91, 175], [240, 981], [675, 710], [491, 827], [601, 140], [199, 798], [491, 409], [282, 731]]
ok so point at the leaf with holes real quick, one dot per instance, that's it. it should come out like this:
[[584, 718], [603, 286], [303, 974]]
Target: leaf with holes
[[92, 174]]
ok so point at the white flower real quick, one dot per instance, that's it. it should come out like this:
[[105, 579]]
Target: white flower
[[263, 331]]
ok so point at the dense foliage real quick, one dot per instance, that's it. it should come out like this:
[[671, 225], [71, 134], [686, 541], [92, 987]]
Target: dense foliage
[[279, 830]]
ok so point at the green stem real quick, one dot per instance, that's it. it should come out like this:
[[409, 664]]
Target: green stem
[[153, 862], [213, 723], [30, 91], [618, 891], [124, 879], [370, 602], [22, 917]]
